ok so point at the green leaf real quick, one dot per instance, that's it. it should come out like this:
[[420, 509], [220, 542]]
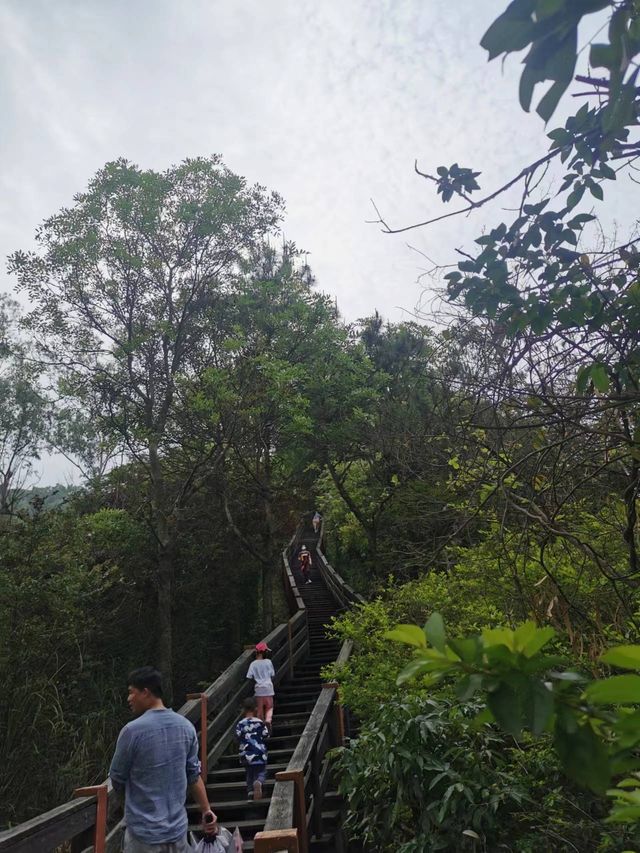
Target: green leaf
[[583, 756], [497, 637], [434, 629], [538, 641], [513, 30], [599, 377], [539, 707], [551, 99], [575, 196], [582, 379], [602, 56], [412, 670], [412, 635], [596, 191], [617, 690], [528, 80], [485, 716], [468, 649], [626, 657], [505, 703], [467, 686], [607, 172]]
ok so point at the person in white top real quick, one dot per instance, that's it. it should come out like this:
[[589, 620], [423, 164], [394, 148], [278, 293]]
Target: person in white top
[[262, 672]]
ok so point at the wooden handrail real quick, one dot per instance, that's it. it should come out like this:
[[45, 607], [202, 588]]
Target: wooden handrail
[[288, 808], [47, 831]]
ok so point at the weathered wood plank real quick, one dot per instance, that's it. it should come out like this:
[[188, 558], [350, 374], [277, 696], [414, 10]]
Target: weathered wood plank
[[46, 831], [309, 736], [280, 815]]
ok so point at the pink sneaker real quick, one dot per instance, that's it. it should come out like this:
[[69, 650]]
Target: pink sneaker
[[257, 790]]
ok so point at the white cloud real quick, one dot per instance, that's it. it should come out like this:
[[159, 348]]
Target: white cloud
[[328, 102]]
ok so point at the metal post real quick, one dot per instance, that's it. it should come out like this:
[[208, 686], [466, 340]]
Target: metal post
[[299, 805], [204, 715], [101, 792]]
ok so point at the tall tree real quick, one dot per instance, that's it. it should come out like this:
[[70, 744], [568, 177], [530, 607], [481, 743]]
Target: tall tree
[[23, 408], [123, 285], [279, 329]]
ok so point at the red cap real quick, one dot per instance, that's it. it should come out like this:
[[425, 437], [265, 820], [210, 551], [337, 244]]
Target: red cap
[[262, 647]]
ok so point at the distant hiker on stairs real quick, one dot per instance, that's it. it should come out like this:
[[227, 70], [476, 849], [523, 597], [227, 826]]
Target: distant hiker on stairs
[[304, 563], [251, 733]]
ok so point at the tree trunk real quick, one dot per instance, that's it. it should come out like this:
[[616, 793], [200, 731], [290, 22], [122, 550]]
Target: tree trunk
[[164, 621], [165, 572], [268, 569], [267, 598], [369, 527]]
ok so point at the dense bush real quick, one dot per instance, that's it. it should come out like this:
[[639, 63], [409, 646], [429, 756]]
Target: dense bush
[[423, 777]]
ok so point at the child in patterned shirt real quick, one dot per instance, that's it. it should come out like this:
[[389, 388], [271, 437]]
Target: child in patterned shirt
[[251, 733]]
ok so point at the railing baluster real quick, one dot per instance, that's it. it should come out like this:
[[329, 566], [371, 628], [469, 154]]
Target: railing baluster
[[299, 805], [100, 792]]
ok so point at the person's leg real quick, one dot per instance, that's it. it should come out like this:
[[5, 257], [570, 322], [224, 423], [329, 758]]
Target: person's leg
[[251, 775], [260, 771], [260, 707], [131, 844], [268, 710]]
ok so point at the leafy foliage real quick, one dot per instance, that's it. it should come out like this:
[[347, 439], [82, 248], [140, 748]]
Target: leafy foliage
[[527, 688]]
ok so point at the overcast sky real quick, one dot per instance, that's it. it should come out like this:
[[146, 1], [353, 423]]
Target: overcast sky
[[326, 101]]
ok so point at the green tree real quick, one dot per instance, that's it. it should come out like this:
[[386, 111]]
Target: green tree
[[123, 286], [24, 409], [563, 318], [279, 329]]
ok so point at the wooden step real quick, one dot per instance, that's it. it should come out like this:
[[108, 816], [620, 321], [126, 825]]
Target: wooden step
[[221, 792], [278, 755], [236, 774]]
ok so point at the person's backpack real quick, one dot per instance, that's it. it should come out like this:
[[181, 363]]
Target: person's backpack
[[223, 842]]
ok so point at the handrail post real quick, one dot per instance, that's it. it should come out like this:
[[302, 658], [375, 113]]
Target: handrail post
[[274, 840], [204, 714], [101, 793], [300, 806]]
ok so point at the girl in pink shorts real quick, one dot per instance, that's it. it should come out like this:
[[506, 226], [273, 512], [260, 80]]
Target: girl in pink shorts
[[262, 672]]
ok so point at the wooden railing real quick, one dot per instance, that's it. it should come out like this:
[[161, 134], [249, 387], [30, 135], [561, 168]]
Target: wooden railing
[[295, 811], [81, 822]]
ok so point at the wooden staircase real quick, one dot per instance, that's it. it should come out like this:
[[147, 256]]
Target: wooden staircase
[[294, 701]]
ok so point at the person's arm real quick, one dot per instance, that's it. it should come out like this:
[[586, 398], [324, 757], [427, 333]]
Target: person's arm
[[209, 819], [121, 761], [197, 787]]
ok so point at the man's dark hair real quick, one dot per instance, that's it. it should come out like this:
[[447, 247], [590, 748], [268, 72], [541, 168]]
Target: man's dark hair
[[250, 704], [146, 677]]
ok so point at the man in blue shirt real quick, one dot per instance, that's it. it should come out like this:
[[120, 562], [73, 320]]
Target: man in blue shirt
[[155, 763]]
